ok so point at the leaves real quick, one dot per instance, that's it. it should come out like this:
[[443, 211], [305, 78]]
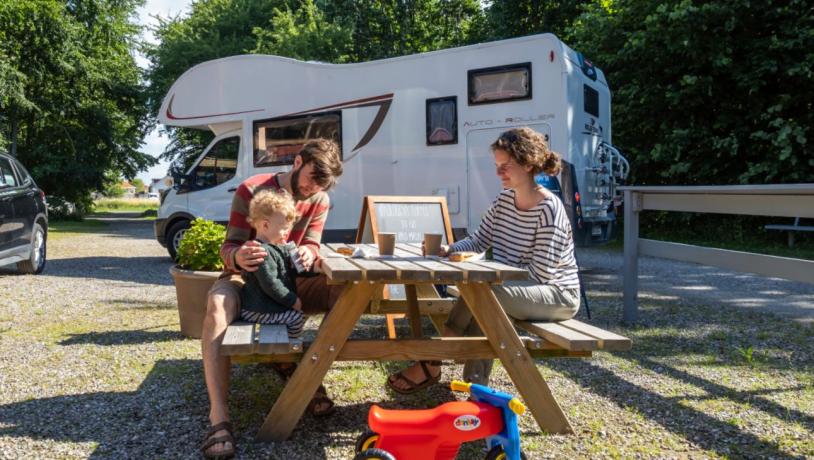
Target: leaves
[[199, 249], [72, 103]]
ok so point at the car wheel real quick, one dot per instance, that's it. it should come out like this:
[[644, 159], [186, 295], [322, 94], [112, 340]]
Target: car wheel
[[36, 261], [174, 235]]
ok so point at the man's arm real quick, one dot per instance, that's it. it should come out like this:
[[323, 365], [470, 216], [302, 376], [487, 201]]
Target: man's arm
[[312, 236], [238, 232]]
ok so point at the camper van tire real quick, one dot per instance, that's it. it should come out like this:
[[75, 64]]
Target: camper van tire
[[174, 235]]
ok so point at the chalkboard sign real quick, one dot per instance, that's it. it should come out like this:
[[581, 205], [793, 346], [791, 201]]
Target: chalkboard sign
[[409, 217]]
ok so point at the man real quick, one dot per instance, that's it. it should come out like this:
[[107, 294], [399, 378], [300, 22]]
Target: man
[[315, 170]]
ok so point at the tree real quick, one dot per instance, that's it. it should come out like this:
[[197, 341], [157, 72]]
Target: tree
[[72, 98], [708, 92], [139, 184], [389, 28], [516, 18]]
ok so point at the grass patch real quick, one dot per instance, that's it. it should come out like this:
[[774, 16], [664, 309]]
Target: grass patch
[[124, 205], [65, 228]]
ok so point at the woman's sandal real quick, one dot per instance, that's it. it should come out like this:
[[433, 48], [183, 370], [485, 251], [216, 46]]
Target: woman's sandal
[[211, 440], [320, 405], [415, 386]]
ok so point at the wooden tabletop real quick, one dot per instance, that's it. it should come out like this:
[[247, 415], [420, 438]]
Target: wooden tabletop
[[408, 266]]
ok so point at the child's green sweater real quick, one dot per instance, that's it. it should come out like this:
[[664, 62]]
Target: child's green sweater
[[272, 288]]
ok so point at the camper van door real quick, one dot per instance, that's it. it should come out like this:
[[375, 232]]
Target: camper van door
[[213, 180], [482, 183]]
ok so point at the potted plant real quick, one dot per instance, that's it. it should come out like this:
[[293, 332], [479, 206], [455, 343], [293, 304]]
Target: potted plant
[[199, 266]]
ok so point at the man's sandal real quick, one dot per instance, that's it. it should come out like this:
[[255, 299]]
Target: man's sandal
[[415, 386], [211, 440], [320, 405]]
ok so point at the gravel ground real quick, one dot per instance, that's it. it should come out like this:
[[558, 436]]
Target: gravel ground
[[92, 366]]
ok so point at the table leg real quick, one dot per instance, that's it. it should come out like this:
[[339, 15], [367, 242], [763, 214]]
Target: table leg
[[412, 306], [331, 337], [515, 358]]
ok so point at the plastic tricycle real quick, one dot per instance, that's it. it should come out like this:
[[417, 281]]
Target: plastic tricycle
[[437, 434]]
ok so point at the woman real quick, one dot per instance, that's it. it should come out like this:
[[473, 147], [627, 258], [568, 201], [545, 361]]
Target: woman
[[526, 227]]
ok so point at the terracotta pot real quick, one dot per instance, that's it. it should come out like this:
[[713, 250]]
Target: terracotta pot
[[191, 288]]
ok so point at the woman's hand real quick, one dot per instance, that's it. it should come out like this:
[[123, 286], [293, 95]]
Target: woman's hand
[[249, 256], [297, 305], [442, 251]]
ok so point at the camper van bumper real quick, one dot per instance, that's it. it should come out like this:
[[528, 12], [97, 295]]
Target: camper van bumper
[[160, 227]]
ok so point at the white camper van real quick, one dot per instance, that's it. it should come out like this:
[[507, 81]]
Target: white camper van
[[413, 125]]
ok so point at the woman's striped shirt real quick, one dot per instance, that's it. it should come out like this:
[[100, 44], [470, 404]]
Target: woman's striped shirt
[[538, 240]]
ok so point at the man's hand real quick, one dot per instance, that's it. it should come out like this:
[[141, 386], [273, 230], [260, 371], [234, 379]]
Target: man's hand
[[250, 255], [297, 305], [306, 257]]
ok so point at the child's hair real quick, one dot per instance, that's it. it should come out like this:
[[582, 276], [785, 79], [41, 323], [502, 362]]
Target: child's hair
[[268, 202], [528, 147]]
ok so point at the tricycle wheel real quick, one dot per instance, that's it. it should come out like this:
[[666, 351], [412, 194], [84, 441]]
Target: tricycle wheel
[[366, 440], [497, 453], [374, 454]]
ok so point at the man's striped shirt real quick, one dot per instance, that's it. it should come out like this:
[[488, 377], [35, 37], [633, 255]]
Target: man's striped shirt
[[307, 229], [538, 240]]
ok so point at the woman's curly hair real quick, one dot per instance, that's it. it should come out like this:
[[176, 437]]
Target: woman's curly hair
[[528, 147]]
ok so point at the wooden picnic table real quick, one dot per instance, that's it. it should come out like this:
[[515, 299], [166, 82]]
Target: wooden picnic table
[[364, 281]]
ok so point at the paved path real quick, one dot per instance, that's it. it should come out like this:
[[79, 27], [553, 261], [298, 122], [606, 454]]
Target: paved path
[[687, 283]]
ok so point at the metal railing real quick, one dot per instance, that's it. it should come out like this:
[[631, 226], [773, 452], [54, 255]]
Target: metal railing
[[794, 200]]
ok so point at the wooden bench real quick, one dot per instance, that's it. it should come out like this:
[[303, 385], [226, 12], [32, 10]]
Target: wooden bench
[[248, 342], [796, 227]]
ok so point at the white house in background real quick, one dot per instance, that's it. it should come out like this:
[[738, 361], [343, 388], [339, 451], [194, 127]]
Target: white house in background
[[157, 185], [411, 125]]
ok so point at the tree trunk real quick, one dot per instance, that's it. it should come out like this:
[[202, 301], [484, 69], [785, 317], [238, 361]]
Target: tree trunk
[[15, 127]]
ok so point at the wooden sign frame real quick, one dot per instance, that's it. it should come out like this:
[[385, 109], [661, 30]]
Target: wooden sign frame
[[368, 203]]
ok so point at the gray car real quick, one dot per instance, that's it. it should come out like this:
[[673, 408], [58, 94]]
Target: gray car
[[23, 218]]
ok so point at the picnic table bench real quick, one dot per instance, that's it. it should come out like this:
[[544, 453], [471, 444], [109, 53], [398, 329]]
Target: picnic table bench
[[796, 227], [364, 280]]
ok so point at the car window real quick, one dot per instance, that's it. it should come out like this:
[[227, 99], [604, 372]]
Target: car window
[[7, 173], [22, 173]]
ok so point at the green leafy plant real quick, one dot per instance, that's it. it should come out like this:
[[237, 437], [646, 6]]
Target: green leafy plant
[[199, 249], [747, 354]]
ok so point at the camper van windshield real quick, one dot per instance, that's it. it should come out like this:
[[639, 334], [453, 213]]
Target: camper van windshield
[[277, 142]]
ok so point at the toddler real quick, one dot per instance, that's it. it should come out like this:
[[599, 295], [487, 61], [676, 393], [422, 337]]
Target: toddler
[[270, 293]]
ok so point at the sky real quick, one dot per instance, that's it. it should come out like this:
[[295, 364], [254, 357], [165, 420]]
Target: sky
[[154, 143]]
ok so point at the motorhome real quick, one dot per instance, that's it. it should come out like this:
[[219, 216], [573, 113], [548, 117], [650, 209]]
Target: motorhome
[[413, 125]]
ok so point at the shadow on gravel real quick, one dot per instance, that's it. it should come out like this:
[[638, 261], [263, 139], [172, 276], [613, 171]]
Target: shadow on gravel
[[122, 337], [668, 330], [166, 417], [142, 270]]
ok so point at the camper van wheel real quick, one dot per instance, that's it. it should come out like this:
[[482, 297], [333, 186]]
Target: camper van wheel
[[174, 235]]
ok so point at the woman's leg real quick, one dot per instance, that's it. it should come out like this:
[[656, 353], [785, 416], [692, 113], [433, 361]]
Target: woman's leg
[[528, 300], [457, 323]]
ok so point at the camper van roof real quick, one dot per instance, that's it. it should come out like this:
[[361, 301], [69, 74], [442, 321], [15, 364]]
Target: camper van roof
[[255, 86]]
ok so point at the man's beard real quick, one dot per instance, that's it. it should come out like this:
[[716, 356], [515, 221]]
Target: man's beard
[[295, 185]]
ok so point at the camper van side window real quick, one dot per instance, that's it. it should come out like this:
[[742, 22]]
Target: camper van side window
[[591, 100], [218, 166], [500, 84], [442, 120], [277, 141]]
